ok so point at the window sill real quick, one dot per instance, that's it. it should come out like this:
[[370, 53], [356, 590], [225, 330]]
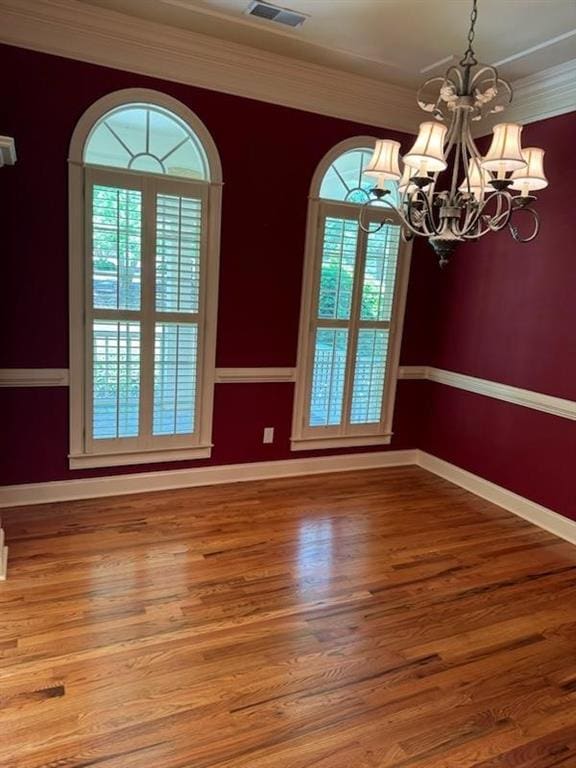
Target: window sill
[[349, 441], [93, 460]]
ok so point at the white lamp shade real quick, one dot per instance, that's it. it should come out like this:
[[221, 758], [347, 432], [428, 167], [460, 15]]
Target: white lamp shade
[[384, 161], [505, 153], [427, 154], [478, 179], [532, 177], [406, 186]]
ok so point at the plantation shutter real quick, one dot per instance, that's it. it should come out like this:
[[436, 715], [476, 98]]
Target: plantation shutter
[[350, 326], [146, 242]]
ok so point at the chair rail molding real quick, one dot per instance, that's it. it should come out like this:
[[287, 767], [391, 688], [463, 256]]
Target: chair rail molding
[[33, 377], [556, 406], [254, 375], [7, 151], [59, 377]]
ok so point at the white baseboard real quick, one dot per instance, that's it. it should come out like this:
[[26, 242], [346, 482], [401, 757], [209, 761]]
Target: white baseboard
[[89, 488], [3, 563], [541, 516], [69, 490], [3, 555]]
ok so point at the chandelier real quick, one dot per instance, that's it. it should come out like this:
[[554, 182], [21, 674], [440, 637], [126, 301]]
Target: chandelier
[[478, 194]]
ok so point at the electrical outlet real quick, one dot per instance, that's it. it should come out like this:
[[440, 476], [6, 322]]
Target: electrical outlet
[[268, 435]]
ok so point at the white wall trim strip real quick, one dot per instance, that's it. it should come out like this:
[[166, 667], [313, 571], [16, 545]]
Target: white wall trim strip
[[412, 372], [95, 487], [33, 377], [59, 377], [529, 510], [3, 555], [254, 375], [556, 406], [7, 151]]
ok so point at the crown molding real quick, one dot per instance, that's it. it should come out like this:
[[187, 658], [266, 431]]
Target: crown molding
[[545, 94], [99, 36]]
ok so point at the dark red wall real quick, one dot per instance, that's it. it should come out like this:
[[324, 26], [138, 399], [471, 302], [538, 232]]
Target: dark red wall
[[501, 311], [263, 227], [506, 312]]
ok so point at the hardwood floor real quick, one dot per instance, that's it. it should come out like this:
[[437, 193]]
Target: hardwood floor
[[364, 620]]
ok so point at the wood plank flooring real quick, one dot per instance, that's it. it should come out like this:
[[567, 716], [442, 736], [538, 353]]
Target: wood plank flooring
[[375, 619]]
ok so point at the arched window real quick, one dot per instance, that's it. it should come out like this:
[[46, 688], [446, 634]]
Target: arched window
[[144, 269], [352, 309]]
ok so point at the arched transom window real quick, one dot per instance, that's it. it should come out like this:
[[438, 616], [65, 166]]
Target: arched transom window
[[344, 179], [149, 139], [352, 309], [144, 257]]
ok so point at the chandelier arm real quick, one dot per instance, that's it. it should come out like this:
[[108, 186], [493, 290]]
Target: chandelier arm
[[462, 227], [453, 73], [406, 215], [472, 148], [430, 190], [470, 151], [416, 228], [361, 224], [480, 74], [475, 154], [456, 165], [473, 217], [492, 223], [451, 136], [383, 203], [502, 216], [428, 226], [406, 220], [514, 231]]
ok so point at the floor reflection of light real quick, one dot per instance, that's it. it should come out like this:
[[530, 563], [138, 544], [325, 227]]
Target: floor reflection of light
[[314, 554]]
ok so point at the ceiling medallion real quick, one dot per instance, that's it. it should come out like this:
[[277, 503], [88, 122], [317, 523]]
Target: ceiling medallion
[[479, 194]]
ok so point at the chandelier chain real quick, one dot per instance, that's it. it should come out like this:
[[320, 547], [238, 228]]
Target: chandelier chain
[[469, 58]]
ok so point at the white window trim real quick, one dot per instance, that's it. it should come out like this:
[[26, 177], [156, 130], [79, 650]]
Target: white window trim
[[343, 436], [79, 456]]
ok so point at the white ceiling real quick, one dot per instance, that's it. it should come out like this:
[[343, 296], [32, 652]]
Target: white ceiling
[[390, 40]]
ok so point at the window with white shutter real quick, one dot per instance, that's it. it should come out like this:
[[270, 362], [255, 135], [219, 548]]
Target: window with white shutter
[[144, 269], [352, 309]]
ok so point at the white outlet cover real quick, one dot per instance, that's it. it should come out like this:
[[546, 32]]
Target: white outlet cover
[[268, 435]]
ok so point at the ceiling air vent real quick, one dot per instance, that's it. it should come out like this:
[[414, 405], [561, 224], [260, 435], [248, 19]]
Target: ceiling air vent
[[275, 14]]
